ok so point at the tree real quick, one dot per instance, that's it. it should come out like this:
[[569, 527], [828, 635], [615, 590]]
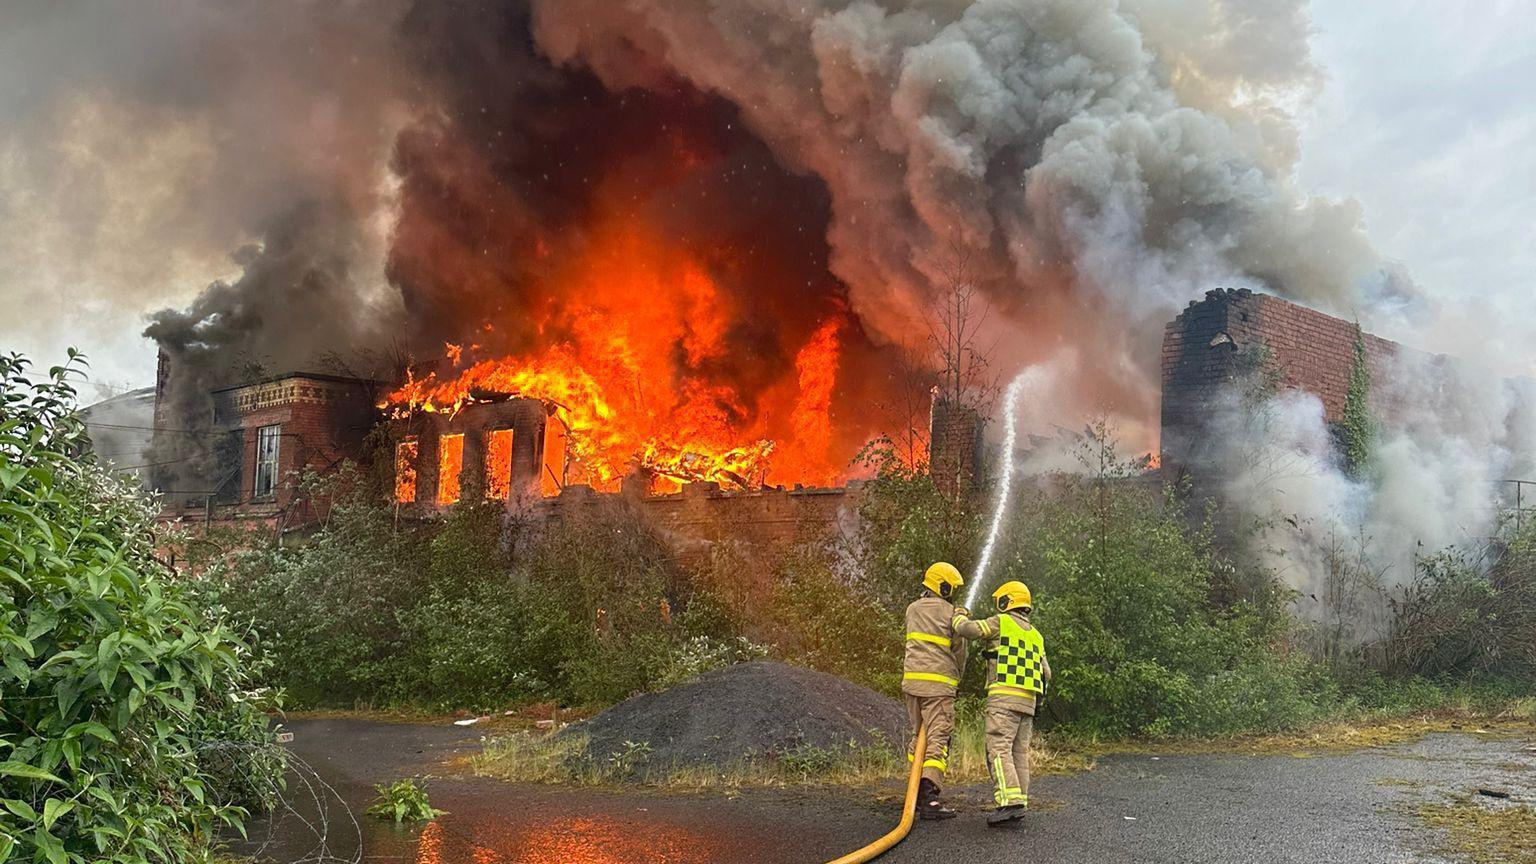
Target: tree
[[955, 329]]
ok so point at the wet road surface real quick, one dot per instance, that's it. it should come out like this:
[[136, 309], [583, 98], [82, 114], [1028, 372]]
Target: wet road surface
[[1351, 807]]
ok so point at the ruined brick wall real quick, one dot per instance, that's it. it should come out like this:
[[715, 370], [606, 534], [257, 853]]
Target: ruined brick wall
[[525, 417], [323, 421], [765, 521], [1214, 341], [954, 446]]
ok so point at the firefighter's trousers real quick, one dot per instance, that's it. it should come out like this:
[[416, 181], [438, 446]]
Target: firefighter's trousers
[[1008, 732], [937, 713]]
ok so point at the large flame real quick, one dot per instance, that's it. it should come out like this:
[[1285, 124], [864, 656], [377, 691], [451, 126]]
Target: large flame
[[638, 357]]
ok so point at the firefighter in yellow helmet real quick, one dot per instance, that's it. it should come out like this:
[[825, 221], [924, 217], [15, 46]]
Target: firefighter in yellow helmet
[[1017, 673], [930, 672]]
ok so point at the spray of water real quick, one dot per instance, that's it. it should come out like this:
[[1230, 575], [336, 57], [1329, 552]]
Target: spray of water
[[1010, 435]]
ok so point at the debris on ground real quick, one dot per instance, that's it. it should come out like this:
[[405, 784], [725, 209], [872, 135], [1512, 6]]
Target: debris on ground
[[750, 711]]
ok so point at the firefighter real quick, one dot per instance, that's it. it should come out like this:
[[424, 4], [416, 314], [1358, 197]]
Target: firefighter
[[930, 674], [1016, 679]]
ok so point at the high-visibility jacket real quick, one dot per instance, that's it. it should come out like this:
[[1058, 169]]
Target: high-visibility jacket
[[1017, 668], [935, 656]]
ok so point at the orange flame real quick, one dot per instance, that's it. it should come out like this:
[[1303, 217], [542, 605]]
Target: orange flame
[[498, 464], [450, 464], [405, 471], [640, 358]]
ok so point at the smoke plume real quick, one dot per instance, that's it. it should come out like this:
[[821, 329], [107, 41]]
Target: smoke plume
[[1049, 141], [488, 174]]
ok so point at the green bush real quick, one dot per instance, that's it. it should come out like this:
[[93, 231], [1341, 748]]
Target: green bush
[[1124, 585], [471, 612], [110, 679]]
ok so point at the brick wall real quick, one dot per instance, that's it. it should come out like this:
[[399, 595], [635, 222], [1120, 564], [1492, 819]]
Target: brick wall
[[322, 420], [954, 446], [764, 520], [1214, 340]]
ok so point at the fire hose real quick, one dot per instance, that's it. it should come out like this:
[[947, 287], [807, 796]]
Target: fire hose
[[908, 813]]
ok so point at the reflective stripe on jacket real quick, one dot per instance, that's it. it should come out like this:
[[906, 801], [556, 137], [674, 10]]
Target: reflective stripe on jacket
[[935, 656]]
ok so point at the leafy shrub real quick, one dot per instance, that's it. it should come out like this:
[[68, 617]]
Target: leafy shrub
[[403, 801], [825, 619], [110, 678], [701, 654], [472, 612], [1124, 586], [623, 763]]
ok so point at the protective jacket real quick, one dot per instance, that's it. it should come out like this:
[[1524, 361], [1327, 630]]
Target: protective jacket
[[935, 656], [1017, 668]]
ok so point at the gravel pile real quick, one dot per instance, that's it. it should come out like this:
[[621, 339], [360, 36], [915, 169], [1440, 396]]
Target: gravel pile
[[745, 712]]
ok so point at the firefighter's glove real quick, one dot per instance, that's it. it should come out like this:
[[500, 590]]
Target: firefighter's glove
[[961, 610]]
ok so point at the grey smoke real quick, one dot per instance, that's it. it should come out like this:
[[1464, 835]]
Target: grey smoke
[[1096, 163], [142, 142]]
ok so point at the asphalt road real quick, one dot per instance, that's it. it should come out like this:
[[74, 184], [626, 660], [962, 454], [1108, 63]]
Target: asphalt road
[[1352, 807]]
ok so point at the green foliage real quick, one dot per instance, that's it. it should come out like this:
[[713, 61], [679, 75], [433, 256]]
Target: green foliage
[[693, 657], [119, 697], [905, 524], [1123, 587], [824, 618], [403, 801], [475, 612], [1460, 618], [624, 763], [1357, 430]]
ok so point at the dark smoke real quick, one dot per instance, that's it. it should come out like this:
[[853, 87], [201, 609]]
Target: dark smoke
[[296, 306]]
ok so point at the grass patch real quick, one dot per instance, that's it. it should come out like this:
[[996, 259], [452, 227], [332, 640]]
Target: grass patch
[[1484, 835], [1362, 731]]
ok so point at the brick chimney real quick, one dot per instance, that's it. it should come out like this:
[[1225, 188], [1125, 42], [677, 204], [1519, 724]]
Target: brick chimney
[[954, 446]]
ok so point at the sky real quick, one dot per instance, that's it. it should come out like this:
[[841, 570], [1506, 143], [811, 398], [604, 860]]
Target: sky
[[1424, 119], [1427, 119]]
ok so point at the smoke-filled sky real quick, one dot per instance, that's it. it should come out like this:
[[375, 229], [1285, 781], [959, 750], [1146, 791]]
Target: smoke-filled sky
[[144, 156]]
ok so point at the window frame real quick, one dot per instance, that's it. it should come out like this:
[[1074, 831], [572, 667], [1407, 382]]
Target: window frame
[[271, 433]]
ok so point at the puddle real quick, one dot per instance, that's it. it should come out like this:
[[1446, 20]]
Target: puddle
[[488, 822]]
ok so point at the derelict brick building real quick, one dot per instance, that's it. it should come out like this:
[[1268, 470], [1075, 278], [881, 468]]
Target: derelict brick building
[[1216, 341]]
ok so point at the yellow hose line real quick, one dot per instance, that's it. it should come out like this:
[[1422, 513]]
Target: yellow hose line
[[868, 853]]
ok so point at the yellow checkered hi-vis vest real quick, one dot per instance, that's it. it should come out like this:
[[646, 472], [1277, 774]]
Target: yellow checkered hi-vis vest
[[1020, 659]]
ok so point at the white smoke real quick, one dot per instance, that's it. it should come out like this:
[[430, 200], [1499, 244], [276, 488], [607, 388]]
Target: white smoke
[[1450, 436]]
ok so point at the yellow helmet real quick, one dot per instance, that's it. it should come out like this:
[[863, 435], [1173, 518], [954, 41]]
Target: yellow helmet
[[943, 579], [1013, 595]]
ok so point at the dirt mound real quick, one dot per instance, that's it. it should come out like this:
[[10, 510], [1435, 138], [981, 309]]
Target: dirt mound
[[746, 712]]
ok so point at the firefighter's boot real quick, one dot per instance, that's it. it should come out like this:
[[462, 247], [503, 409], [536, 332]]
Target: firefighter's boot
[[928, 804], [1006, 815]]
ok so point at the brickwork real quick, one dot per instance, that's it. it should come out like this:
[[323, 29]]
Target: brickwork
[[321, 420], [954, 446], [1213, 341], [765, 520]]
